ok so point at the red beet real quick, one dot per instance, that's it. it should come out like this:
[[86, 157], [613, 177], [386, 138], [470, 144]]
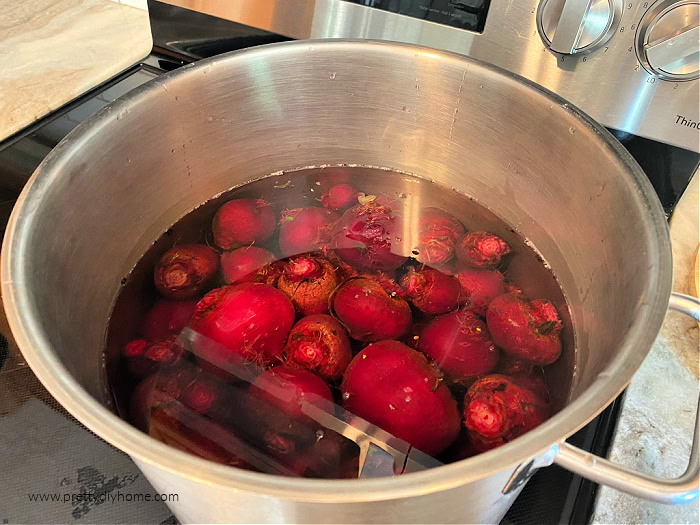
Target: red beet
[[167, 318], [319, 343], [524, 373], [431, 291], [481, 250], [339, 196], [309, 282], [270, 273], [438, 232], [364, 237], [187, 385], [185, 271], [144, 357], [243, 222], [251, 320], [388, 282], [174, 426], [369, 312], [459, 342], [305, 230], [497, 410], [479, 288], [394, 387], [287, 388], [526, 329], [242, 265]]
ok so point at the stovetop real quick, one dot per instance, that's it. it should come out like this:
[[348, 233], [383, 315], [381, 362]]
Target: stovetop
[[49, 455]]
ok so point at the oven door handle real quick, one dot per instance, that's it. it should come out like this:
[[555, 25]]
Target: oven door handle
[[674, 491]]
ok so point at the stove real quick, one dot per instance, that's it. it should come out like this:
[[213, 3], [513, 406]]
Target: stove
[[49, 454]]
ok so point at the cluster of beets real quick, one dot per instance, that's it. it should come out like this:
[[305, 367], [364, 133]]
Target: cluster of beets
[[397, 338]]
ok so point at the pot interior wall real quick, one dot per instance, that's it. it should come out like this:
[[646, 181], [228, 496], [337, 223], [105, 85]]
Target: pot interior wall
[[150, 159]]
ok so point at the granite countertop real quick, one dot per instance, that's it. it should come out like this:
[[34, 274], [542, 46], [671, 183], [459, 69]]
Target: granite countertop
[[655, 429], [52, 51]]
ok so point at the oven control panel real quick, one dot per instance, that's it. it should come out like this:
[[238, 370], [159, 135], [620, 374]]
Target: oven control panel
[[633, 65]]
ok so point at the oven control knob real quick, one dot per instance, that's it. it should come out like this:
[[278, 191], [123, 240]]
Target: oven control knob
[[668, 40], [577, 26]]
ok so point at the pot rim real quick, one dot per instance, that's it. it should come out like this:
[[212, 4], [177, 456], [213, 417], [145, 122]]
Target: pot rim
[[26, 327]]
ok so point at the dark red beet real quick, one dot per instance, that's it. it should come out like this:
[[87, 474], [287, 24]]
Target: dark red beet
[[397, 389], [208, 442], [305, 230], [250, 320], [167, 318], [319, 343], [287, 388], [339, 196], [184, 384], [242, 222], [438, 232], [242, 265], [526, 329], [185, 271], [497, 410], [387, 280], [309, 282], [431, 291], [524, 373], [481, 250], [459, 342], [364, 236], [479, 288], [369, 312], [143, 357]]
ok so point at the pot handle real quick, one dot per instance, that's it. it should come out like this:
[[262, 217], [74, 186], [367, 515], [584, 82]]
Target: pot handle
[[600, 470]]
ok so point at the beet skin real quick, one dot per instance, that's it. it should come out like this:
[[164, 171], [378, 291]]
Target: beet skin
[[438, 232], [319, 343], [241, 265], [305, 230], [249, 320], [185, 271], [309, 282], [431, 291], [364, 235], [242, 222], [369, 313], [479, 288], [396, 388], [526, 329], [460, 344], [497, 410], [167, 318], [143, 357], [481, 250], [339, 196]]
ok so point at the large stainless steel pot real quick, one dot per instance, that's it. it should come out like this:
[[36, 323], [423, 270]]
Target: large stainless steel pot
[[110, 188]]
